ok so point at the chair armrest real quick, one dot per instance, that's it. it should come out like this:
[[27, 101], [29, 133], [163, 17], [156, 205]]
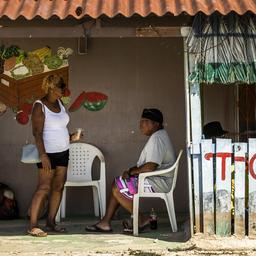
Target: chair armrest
[[102, 169], [144, 175]]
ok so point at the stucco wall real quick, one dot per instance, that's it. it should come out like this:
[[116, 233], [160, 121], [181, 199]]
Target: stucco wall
[[134, 73]]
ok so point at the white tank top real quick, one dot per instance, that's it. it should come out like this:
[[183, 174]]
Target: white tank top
[[55, 132]]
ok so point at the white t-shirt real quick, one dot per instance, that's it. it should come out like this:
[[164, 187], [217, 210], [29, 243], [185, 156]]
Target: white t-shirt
[[159, 150]]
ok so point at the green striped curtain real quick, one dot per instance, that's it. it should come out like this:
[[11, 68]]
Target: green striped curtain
[[224, 49]]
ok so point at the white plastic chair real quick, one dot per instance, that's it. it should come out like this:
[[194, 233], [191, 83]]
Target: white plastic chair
[[81, 157], [167, 197]]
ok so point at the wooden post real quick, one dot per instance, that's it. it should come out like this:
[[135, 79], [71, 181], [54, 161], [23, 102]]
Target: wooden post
[[184, 33], [208, 193], [223, 186], [196, 131], [252, 188], [238, 184]]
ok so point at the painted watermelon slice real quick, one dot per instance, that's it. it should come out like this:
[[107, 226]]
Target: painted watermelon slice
[[79, 101], [95, 101]]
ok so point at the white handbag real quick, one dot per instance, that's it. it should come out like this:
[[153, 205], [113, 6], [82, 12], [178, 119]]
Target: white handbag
[[30, 154]]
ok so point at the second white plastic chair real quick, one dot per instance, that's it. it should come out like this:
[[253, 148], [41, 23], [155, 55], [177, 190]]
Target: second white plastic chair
[[167, 197]]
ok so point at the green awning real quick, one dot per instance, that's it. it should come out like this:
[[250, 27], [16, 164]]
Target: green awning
[[224, 49]]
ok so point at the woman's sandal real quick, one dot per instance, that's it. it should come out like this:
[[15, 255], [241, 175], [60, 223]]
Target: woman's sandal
[[56, 229], [37, 232]]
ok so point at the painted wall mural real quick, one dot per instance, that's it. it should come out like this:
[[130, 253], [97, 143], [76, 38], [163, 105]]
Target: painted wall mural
[[21, 76], [92, 101], [22, 73], [95, 101]]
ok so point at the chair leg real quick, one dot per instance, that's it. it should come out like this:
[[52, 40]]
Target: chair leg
[[57, 218], [171, 212], [63, 203], [96, 200], [102, 189], [100, 202], [136, 215]]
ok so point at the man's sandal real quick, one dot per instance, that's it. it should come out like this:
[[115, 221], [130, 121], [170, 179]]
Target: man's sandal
[[95, 229], [128, 226], [37, 232]]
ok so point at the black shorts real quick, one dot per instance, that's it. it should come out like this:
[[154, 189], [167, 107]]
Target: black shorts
[[57, 159]]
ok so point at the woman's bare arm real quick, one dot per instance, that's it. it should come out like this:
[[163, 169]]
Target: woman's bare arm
[[37, 127]]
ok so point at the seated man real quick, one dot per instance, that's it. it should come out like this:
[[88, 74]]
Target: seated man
[[158, 153]]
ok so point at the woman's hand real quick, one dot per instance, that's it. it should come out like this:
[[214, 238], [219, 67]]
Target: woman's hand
[[46, 163], [74, 136]]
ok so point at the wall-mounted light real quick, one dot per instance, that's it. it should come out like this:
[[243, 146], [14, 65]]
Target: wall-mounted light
[[82, 42]]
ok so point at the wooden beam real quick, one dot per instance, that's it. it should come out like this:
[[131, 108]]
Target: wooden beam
[[93, 32], [196, 134], [223, 187], [238, 189], [158, 32], [207, 188], [252, 190]]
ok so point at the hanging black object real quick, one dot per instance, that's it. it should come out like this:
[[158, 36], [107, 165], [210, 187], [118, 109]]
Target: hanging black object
[[82, 44]]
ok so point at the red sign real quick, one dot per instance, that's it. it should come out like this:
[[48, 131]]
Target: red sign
[[224, 156]]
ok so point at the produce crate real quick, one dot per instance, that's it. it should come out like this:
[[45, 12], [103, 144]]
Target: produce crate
[[14, 92]]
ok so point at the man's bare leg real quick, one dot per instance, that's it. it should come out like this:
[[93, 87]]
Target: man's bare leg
[[116, 199], [113, 204], [128, 205]]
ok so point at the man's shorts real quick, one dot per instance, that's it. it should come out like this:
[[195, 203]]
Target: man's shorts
[[57, 159], [129, 187]]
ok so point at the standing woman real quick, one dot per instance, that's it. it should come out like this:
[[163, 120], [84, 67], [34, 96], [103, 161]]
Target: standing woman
[[49, 123]]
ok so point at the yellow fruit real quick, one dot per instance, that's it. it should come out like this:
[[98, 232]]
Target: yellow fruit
[[43, 52]]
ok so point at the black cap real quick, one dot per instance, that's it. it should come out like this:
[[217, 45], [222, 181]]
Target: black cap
[[153, 114], [213, 129]]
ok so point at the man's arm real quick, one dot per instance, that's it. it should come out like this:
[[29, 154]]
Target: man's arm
[[134, 171]]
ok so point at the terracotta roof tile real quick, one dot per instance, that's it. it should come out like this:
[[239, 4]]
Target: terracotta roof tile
[[95, 8]]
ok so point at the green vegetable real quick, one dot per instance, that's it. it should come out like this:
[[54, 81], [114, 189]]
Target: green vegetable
[[53, 62], [20, 72], [20, 59], [11, 51]]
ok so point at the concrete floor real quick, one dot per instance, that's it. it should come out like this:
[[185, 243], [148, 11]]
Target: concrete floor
[[15, 241]]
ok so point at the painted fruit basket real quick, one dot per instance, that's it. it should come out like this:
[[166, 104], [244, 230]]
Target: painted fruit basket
[[15, 92]]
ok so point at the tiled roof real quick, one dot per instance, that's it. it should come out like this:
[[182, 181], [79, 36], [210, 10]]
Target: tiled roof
[[95, 8]]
